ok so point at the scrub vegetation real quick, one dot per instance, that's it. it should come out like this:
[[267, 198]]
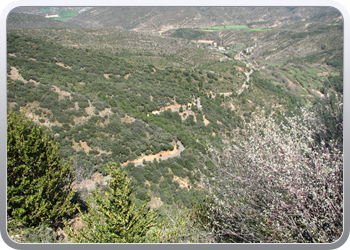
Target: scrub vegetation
[[150, 128]]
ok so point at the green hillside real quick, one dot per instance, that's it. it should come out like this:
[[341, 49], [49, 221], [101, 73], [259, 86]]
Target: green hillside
[[165, 107]]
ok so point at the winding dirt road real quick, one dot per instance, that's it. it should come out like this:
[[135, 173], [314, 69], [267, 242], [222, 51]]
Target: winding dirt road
[[90, 184], [245, 85]]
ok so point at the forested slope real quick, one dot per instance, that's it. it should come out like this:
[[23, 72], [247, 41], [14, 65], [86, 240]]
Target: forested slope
[[99, 106], [113, 95]]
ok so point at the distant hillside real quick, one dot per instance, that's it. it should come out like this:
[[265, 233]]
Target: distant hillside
[[160, 19], [165, 18], [21, 20]]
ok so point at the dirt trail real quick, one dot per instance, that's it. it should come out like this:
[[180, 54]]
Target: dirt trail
[[139, 161], [319, 93], [63, 65], [164, 155], [245, 85], [290, 83]]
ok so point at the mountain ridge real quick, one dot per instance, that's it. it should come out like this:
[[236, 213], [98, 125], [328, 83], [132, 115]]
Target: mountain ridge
[[160, 19]]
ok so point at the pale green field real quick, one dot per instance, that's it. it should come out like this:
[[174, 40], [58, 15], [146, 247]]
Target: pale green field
[[224, 27]]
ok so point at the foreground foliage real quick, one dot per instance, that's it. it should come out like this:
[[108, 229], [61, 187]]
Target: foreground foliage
[[43, 233], [38, 185], [279, 182], [113, 217]]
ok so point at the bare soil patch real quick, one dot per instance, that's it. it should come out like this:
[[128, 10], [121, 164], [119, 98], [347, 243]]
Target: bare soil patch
[[232, 107], [155, 202], [324, 73], [206, 122], [81, 145], [85, 146], [86, 183], [11, 104], [183, 182], [152, 157], [80, 119], [226, 93], [15, 75], [62, 65], [318, 92], [106, 75], [76, 145], [173, 107], [35, 118], [90, 110], [102, 151], [239, 68], [127, 119], [61, 93], [106, 111]]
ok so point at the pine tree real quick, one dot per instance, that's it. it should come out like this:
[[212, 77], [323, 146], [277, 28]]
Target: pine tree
[[114, 218], [38, 184]]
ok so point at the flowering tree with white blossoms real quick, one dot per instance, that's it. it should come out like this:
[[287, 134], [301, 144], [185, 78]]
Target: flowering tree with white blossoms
[[276, 182]]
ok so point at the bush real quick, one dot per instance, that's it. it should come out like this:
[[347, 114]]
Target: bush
[[100, 105], [114, 217], [93, 152], [83, 104], [284, 181], [43, 233], [212, 76], [142, 194], [38, 185]]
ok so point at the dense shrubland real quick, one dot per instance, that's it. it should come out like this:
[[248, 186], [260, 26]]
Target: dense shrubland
[[95, 99], [146, 89]]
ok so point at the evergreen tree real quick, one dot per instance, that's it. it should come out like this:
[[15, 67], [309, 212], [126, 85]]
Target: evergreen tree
[[38, 184], [114, 218]]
